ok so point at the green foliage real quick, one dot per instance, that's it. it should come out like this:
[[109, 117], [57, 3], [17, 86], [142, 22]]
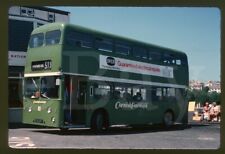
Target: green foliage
[[214, 97], [201, 96], [205, 89]]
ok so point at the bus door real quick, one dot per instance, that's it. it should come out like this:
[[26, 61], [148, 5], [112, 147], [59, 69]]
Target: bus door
[[82, 94], [79, 100]]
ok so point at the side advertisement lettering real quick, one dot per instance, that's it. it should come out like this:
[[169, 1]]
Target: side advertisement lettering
[[130, 106], [120, 64]]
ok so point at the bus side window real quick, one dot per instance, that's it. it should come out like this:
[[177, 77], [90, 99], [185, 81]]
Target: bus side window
[[183, 60], [122, 48], [152, 94], [104, 44], [79, 39], [171, 92], [159, 93], [168, 59], [143, 94], [154, 56], [140, 52], [139, 94], [101, 91]]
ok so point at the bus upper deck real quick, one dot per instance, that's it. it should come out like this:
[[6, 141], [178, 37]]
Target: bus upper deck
[[105, 54]]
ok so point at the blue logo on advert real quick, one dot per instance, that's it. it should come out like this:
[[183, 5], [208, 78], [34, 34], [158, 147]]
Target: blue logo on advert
[[110, 61]]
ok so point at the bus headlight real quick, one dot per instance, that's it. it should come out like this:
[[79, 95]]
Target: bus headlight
[[53, 119], [29, 109], [49, 110]]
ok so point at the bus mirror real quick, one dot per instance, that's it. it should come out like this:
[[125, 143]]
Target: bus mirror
[[57, 82]]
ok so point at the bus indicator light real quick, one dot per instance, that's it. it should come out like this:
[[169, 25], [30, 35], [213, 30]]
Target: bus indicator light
[[49, 110], [29, 109], [53, 119]]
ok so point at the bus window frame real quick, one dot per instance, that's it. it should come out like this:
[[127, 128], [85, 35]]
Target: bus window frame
[[138, 51], [123, 45], [99, 41], [39, 88], [83, 40], [39, 45], [58, 38]]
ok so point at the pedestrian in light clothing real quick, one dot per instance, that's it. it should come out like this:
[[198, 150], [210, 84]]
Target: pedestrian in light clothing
[[206, 110], [215, 112]]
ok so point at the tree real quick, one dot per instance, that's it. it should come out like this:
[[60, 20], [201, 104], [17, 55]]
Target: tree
[[190, 95], [205, 89], [201, 96], [214, 97]]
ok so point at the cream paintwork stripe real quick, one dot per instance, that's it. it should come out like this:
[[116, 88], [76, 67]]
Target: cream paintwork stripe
[[42, 74], [101, 78]]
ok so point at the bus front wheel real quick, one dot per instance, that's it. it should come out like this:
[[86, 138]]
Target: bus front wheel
[[99, 123]]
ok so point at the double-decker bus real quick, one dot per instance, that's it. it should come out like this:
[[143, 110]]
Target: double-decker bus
[[79, 77]]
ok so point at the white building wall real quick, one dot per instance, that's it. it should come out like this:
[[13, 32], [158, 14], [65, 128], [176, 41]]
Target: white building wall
[[41, 14], [15, 10], [62, 18]]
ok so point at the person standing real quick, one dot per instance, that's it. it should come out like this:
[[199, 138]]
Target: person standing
[[215, 112], [206, 110]]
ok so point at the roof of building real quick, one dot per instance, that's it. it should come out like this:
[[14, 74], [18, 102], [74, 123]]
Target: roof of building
[[44, 8]]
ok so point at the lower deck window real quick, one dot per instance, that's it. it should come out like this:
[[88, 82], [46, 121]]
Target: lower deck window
[[133, 93]]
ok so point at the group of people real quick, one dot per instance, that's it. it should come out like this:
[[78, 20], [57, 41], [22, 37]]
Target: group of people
[[211, 112]]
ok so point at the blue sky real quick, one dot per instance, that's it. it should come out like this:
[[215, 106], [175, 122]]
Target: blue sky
[[195, 31]]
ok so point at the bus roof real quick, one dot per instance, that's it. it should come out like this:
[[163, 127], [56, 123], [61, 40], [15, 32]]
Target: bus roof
[[60, 25]]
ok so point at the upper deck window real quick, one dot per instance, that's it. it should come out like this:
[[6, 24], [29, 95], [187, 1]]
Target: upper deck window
[[154, 56], [36, 40], [53, 37], [122, 48], [104, 44], [182, 60], [174, 59], [140, 52], [79, 39], [169, 59]]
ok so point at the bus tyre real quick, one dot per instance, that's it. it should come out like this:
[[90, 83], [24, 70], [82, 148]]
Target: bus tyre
[[98, 124], [168, 119]]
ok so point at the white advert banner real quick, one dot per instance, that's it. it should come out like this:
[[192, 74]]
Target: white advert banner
[[16, 58], [125, 65]]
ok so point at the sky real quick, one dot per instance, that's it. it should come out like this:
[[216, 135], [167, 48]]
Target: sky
[[193, 30]]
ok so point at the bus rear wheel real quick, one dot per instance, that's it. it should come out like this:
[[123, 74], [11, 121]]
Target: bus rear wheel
[[99, 122], [168, 119]]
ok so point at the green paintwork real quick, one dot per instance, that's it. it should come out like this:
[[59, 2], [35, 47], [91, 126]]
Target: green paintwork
[[86, 62]]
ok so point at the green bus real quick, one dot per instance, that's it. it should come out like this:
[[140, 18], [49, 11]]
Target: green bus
[[78, 77]]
